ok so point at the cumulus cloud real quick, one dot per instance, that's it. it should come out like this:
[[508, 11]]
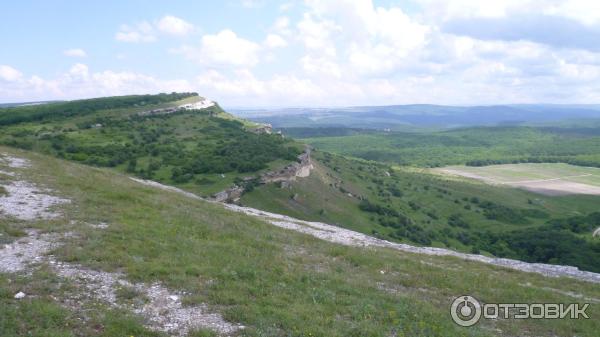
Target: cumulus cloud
[[561, 32], [223, 49], [275, 41], [9, 74], [75, 52], [346, 52], [148, 31], [141, 32], [376, 40], [80, 82], [175, 26]]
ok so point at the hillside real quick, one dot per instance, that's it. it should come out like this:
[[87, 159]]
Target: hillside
[[417, 207], [179, 139], [186, 258]]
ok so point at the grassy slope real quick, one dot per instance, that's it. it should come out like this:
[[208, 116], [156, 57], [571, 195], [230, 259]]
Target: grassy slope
[[314, 198], [275, 281]]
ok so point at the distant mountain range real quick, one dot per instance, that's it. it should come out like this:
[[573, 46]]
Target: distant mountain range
[[423, 115]]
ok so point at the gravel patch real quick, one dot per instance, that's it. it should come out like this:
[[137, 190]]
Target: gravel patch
[[163, 310], [25, 201], [18, 255], [15, 162]]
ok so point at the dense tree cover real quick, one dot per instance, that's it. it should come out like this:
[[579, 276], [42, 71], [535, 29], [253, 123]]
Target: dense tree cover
[[473, 146], [49, 111], [555, 243]]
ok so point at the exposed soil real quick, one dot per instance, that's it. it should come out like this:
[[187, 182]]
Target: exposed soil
[[550, 187]]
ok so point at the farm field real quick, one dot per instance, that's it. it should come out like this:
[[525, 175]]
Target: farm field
[[544, 178]]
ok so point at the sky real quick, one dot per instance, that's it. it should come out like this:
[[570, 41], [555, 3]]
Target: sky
[[263, 53]]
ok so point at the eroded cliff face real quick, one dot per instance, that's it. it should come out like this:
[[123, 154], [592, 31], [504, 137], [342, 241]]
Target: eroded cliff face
[[289, 173], [299, 169]]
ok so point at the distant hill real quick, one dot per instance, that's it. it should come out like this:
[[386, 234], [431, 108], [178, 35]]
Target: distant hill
[[400, 117]]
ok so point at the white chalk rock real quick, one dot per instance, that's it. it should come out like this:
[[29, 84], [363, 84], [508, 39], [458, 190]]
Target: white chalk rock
[[19, 295]]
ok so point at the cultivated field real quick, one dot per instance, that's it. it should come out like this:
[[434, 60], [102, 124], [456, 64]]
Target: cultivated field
[[548, 179]]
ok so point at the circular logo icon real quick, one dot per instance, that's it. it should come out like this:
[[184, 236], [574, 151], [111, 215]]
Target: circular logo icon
[[465, 310]]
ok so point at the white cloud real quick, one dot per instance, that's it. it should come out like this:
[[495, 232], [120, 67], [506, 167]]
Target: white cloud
[[223, 49], [316, 34], [9, 74], [141, 32], [79, 70], [75, 52], [282, 26], [241, 86], [376, 40], [80, 82], [252, 3], [275, 41], [175, 26], [584, 11], [346, 52]]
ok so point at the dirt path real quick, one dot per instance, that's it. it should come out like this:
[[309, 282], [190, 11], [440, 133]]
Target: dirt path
[[351, 238], [163, 309]]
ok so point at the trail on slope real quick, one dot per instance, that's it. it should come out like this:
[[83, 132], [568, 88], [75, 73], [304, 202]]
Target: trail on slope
[[348, 237], [163, 310]]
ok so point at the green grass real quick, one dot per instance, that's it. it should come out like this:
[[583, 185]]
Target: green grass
[[38, 314], [276, 282]]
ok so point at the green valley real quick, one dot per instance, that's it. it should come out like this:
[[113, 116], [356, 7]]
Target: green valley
[[475, 146]]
